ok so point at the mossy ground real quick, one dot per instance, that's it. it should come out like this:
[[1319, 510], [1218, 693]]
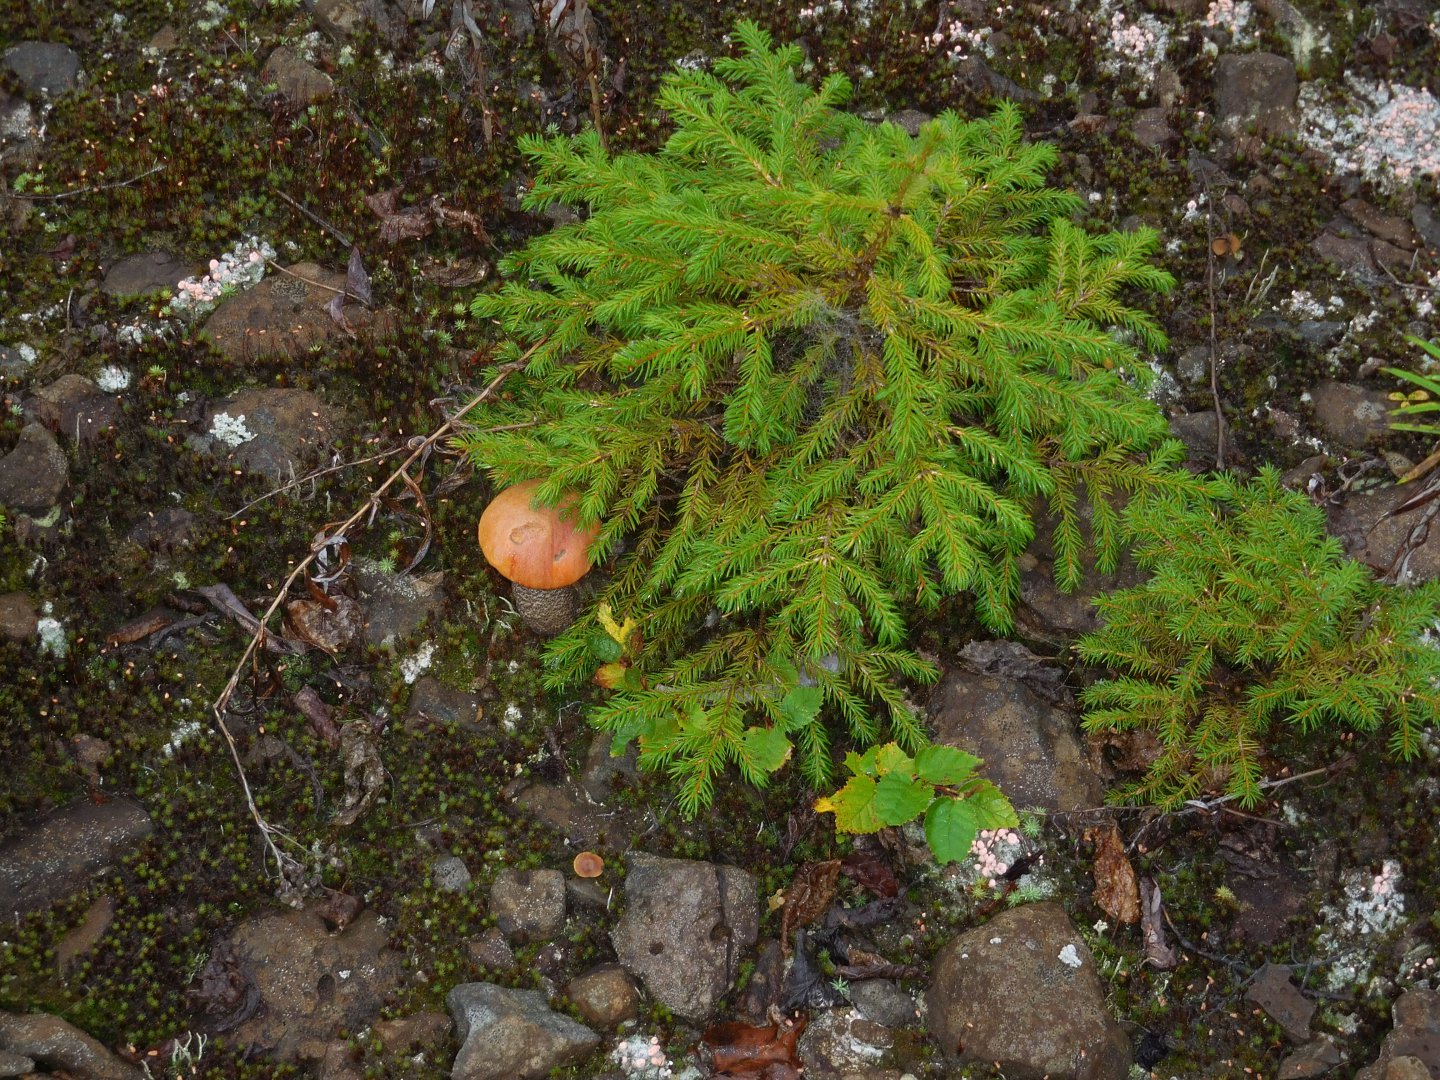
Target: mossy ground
[[229, 152]]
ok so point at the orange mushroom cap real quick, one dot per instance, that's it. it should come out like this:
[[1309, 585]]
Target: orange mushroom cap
[[534, 546], [588, 865]]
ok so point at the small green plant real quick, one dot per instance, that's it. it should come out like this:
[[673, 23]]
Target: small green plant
[[810, 375], [1253, 618], [1425, 399], [889, 787]]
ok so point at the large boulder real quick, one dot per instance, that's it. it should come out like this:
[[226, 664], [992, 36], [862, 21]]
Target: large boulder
[[1022, 994], [687, 926]]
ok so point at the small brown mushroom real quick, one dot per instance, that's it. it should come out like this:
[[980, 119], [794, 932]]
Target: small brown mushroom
[[540, 550], [588, 865]]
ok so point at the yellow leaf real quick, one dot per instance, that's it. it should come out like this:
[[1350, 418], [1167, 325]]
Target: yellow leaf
[[619, 631], [825, 805]]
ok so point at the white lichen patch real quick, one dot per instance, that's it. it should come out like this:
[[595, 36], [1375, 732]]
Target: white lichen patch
[[54, 641], [230, 430], [1070, 957], [112, 378], [183, 733], [412, 667], [1389, 133], [1371, 907]]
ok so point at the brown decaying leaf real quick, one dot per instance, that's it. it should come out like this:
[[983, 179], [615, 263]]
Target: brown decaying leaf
[[331, 628], [1116, 890], [320, 715], [1158, 950], [810, 894], [870, 872], [762, 1052], [157, 618], [363, 769]]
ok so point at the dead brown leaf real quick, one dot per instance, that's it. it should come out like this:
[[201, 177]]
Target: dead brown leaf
[[1116, 891], [766, 1053], [809, 896], [1158, 950], [156, 619], [363, 769], [331, 628]]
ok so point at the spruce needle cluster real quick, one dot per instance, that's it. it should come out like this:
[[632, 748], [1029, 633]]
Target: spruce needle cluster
[[812, 374], [1253, 619]]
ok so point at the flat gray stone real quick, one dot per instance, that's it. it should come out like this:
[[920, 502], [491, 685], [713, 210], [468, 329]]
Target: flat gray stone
[[1282, 1001], [147, 272], [46, 68], [58, 1044], [1258, 87], [54, 856], [512, 1034], [686, 929], [1022, 994], [293, 429], [301, 82], [34, 474], [529, 904]]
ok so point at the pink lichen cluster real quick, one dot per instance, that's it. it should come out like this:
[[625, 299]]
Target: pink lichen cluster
[[1232, 16], [239, 268], [993, 850], [1403, 137]]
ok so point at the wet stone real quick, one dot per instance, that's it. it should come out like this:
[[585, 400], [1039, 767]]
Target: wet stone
[[512, 1034], [1282, 1001], [432, 702], [686, 929], [18, 617], [1412, 1049], [491, 950], [45, 68], [33, 475], [413, 1032], [1022, 993], [12, 1064], [1315, 1058], [49, 859], [605, 996], [529, 905], [396, 605], [79, 941], [57, 1044], [840, 1042]]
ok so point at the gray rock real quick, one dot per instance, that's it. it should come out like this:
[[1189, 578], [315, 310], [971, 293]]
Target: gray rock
[[1258, 87], [1388, 227], [12, 1064], [1197, 431], [1361, 257], [1272, 990], [1349, 415], [529, 904], [14, 363], [885, 1001], [74, 408], [686, 928], [491, 950], [1027, 741], [1319, 333], [601, 770], [303, 83], [34, 474], [605, 996], [58, 1044], [1412, 1049], [1427, 224], [911, 120], [511, 1034], [1001, 995], [396, 605], [312, 984], [1373, 534], [293, 430], [451, 874], [1152, 129], [841, 1042], [432, 702], [59, 853], [18, 618], [285, 313], [147, 272], [46, 68], [1315, 1058]]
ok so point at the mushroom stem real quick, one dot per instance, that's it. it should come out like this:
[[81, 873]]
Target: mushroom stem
[[545, 611]]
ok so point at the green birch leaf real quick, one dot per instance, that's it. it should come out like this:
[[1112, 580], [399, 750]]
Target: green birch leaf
[[950, 828], [767, 747], [853, 806], [800, 706], [945, 765], [900, 797], [890, 758]]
